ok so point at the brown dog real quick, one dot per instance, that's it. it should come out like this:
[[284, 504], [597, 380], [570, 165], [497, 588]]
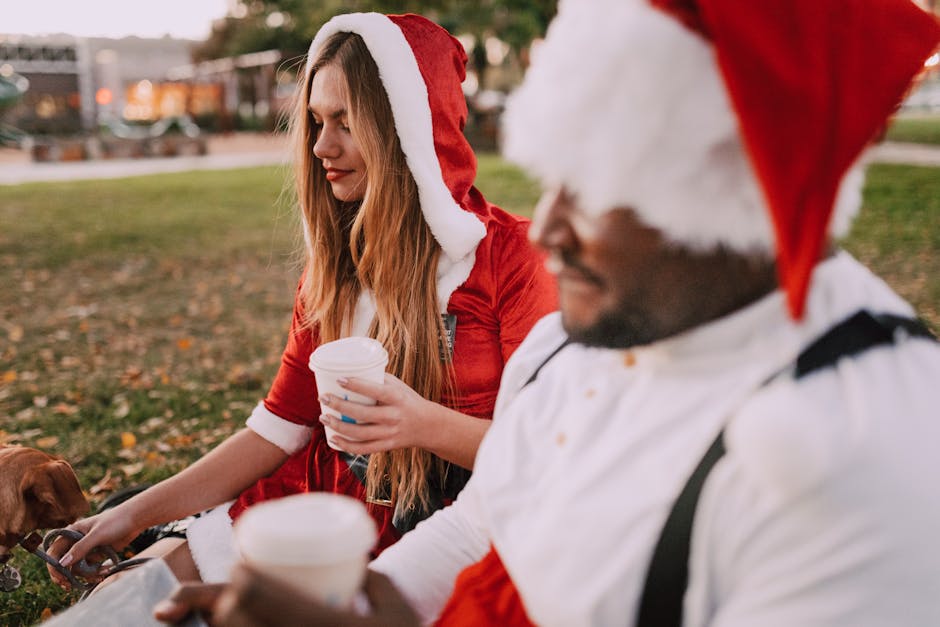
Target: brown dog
[[37, 491]]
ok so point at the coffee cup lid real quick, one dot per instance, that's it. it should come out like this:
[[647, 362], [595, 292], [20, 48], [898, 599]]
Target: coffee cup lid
[[305, 529], [349, 353]]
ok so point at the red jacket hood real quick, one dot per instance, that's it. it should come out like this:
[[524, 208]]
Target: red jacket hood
[[422, 67]]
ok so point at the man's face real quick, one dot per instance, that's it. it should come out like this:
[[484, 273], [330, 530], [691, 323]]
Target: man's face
[[620, 283]]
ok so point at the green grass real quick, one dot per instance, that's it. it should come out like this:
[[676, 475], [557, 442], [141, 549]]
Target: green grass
[[157, 307], [505, 185], [916, 128], [897, 233]]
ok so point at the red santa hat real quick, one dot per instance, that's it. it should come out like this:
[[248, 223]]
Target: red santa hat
[[720, 122], [422, 67]]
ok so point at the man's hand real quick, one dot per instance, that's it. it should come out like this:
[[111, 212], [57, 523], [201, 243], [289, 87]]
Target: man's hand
[[255, 599]]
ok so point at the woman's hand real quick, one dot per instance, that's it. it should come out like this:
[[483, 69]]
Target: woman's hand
[[400, 419], [113, 527]]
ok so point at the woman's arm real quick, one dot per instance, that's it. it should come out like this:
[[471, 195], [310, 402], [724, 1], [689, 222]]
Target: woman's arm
[[215, 478], [402, 418]]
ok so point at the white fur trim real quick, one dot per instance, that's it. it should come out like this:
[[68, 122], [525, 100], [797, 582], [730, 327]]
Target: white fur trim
[[456, 230], [287, 436], [626, 107], [212, 544], [451, 275]]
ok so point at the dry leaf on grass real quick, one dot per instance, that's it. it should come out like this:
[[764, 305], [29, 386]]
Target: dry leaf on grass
[[132, 469], [106, 484], [65, 409], [122, 409], [50, 441]]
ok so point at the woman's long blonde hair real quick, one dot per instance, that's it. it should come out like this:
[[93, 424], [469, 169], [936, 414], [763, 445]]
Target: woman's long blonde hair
[[382, 244]]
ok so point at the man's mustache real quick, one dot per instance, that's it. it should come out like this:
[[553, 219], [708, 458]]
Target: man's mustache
[[560, 260]]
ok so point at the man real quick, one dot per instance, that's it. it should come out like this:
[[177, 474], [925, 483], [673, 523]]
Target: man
[[714, 355]]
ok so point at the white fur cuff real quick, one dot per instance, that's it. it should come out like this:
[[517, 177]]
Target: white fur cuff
[[286, 435], [212, 544]]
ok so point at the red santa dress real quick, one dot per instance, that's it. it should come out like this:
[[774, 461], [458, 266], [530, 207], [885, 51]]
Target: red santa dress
[[491, 282]]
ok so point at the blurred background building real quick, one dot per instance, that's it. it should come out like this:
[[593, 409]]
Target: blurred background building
[[242, 74], [75, 81]]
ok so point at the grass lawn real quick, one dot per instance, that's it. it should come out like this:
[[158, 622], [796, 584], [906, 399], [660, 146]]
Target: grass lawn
[[143, 318], [919, 128]]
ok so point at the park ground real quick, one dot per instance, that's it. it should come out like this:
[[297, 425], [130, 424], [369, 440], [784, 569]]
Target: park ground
[[142, 318]]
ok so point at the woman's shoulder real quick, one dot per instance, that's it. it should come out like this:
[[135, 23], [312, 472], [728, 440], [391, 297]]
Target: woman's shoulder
[[507, 236], [505, 223]]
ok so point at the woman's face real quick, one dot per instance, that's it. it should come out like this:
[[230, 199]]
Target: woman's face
[[335, 146]]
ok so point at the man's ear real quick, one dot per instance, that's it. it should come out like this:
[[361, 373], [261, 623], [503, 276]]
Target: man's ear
[[54, 487]]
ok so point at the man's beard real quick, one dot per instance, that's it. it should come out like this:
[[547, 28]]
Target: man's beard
[[624, 328]]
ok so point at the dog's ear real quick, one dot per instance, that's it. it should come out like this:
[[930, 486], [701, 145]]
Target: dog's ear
[[54, 488]]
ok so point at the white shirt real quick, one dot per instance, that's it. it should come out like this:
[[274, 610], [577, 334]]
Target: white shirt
[[824, 511]]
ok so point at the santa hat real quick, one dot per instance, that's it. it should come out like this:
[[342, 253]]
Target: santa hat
[[721, 123], [422, 67]]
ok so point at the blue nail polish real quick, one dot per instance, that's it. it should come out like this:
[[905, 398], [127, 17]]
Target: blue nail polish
[[346, 418]]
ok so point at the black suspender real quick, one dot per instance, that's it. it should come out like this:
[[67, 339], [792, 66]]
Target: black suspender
[[668, 572], [551, 355], [855, 335]]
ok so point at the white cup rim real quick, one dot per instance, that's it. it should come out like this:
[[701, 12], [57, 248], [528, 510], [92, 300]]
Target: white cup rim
[[334, 356], [263, 529]]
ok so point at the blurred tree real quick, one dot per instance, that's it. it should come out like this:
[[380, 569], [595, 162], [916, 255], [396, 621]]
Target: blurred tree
[[515, 22], [289, 25]]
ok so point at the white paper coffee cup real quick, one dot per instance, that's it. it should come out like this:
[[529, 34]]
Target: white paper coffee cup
[[359, 357], [319, 543]]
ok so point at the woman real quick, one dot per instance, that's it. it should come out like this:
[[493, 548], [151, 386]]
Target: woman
[[399, 246]]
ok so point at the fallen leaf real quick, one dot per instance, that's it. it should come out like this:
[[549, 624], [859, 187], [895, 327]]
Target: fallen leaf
[[184, 343], [106, 484], [9, 376], [180, 440], [65, 409], [15, 333], [50, 441], [46, 613], [153, 423], [131, 373], [70, 362], [128, 440], [132, 469], [123, 408]]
